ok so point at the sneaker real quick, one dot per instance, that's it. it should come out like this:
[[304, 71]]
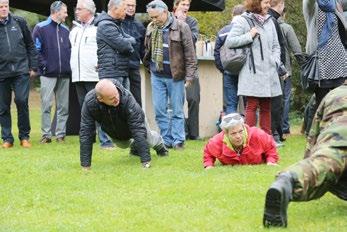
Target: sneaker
[[45, 140], [25, 143], [277, 200], [161, 150], [7, 145], [279, 144], [178, 146], [60, 140]]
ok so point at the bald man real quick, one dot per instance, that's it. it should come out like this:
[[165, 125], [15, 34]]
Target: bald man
[[122, 118]]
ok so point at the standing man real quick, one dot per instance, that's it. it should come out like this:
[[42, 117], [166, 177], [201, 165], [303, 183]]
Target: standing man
[[170, 57], [324, 168], [277, 7], [181, 8], [84, 59], [114, 46], [292, 45], [52, 42], [18, 61], [136, 29], [118, 113]]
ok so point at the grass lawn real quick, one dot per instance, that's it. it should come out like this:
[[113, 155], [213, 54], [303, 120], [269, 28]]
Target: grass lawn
[[44, 189]]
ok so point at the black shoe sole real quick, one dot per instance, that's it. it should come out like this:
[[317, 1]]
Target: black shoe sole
[[275, 209]]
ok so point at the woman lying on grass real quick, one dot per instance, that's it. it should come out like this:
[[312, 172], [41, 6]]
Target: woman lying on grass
[[239, 144]]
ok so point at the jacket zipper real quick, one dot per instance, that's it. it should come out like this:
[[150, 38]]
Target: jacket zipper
[[78, 56], [109, 113], [9, 45], [59, 54]]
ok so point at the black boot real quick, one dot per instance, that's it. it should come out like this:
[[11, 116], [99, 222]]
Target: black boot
[[161, 150], [277, 200]]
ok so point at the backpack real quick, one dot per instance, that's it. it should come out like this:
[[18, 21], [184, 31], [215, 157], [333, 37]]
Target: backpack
[[233, 59]]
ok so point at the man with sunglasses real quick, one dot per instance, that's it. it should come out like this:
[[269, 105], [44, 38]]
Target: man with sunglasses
[[239, 144], [121, 117], [170, 57]]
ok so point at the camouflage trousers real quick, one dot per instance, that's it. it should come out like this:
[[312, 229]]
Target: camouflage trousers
[[320, 173]]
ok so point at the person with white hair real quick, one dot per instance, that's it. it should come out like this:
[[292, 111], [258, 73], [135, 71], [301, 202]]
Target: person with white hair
[[239, 144], [115, 47], [84, 58]]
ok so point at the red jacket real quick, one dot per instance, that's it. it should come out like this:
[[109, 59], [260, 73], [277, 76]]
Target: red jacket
[[260, 148]]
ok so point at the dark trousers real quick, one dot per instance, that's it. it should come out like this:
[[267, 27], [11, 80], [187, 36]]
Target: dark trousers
[[193, 99], [276, 117], [135, 84], [20, 86], [82, 88]]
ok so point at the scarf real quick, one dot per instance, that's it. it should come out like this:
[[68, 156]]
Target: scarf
[[157, 44], [327, 6], [260, 18]]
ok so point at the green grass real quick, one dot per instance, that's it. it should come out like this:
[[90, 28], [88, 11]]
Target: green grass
[[44, 189]]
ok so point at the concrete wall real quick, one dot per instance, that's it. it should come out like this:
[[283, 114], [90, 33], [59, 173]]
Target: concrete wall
[[211, 97]]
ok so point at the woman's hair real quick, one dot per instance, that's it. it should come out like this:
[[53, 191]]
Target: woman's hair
[[253, 6]]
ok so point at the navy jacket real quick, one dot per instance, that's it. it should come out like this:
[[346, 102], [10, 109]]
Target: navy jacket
[[52, 42], [221, 37], [17, 49], [136, 29], [114, 47], [123, 122]]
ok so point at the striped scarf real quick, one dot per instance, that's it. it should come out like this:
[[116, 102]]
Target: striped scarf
[[157, 44]]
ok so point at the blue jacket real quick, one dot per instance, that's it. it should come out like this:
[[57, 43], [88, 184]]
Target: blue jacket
[[136, 29], [221, 37], [52, 42]]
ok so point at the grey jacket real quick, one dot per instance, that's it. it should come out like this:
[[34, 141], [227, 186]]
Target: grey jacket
[[265, 82], [291, 43]]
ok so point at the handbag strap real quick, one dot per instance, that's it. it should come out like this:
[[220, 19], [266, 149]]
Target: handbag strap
[[251, 24]]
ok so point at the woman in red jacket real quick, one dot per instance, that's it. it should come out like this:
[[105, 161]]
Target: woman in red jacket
[[239, 144]]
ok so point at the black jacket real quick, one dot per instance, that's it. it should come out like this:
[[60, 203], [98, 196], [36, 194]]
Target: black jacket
[[114, 47], [18, 53], [281, 40], [136, 29], [123, 122]]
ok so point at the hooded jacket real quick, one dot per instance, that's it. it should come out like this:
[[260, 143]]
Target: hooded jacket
[[259, 148], [123, 122], [114, 47]]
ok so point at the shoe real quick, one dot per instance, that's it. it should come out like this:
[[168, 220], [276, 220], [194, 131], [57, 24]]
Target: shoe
[[277, 200], [45, 140], [178, 147], [60, 140], [168, 146], [25, 143], [161, 150], [7, 145]]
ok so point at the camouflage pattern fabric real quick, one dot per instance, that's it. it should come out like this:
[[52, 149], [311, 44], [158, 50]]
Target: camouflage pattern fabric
[[326, 152]]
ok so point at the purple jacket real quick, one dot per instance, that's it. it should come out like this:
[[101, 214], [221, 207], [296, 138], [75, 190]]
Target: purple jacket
[[53, 45]]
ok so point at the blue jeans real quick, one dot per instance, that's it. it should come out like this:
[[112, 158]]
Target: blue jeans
[[287, 90], [165, 90], [20, 86], [230, 82]]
